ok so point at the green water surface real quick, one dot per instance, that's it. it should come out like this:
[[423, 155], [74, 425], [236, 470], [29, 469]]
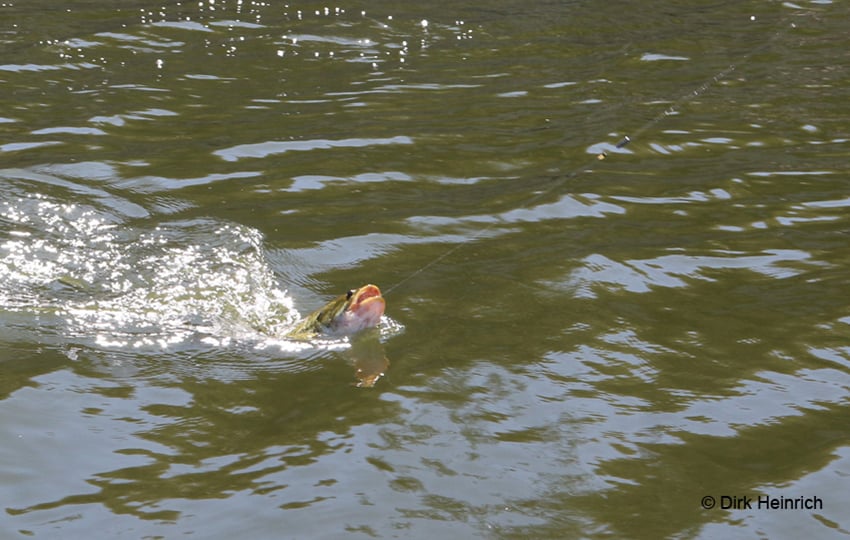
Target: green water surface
[[591, 348]]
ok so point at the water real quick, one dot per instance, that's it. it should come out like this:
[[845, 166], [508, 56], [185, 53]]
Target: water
[[590, 347]]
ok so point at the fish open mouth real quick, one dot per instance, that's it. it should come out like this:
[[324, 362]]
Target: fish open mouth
[[365, 308], [365, 295]]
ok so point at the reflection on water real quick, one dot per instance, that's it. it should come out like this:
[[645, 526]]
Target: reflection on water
[[591, 347], [369, 359]]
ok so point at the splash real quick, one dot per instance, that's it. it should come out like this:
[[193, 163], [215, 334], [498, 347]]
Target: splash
[[95, 277]]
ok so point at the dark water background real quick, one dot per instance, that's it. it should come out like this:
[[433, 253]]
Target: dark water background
[[590, 347]]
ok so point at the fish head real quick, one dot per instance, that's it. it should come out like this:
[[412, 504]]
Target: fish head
[[356, 310]]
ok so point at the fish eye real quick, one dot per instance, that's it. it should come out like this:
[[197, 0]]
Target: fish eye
[[349, 294]]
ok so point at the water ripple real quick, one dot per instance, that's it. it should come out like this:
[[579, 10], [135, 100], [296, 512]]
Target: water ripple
[[265, 149], [642, 275]]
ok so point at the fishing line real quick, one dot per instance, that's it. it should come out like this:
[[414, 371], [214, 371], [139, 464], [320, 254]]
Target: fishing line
[[559, 181]]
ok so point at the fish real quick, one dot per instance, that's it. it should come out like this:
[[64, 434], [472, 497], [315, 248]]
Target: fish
[[345, 315]]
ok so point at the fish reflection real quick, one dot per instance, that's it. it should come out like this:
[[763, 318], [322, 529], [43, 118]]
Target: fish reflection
[[369, 359]]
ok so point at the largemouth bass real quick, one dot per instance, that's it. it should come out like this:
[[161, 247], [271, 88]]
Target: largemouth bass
[[346, 314]]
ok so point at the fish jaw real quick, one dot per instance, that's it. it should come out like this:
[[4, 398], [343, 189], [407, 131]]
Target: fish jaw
[[364, 310]]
